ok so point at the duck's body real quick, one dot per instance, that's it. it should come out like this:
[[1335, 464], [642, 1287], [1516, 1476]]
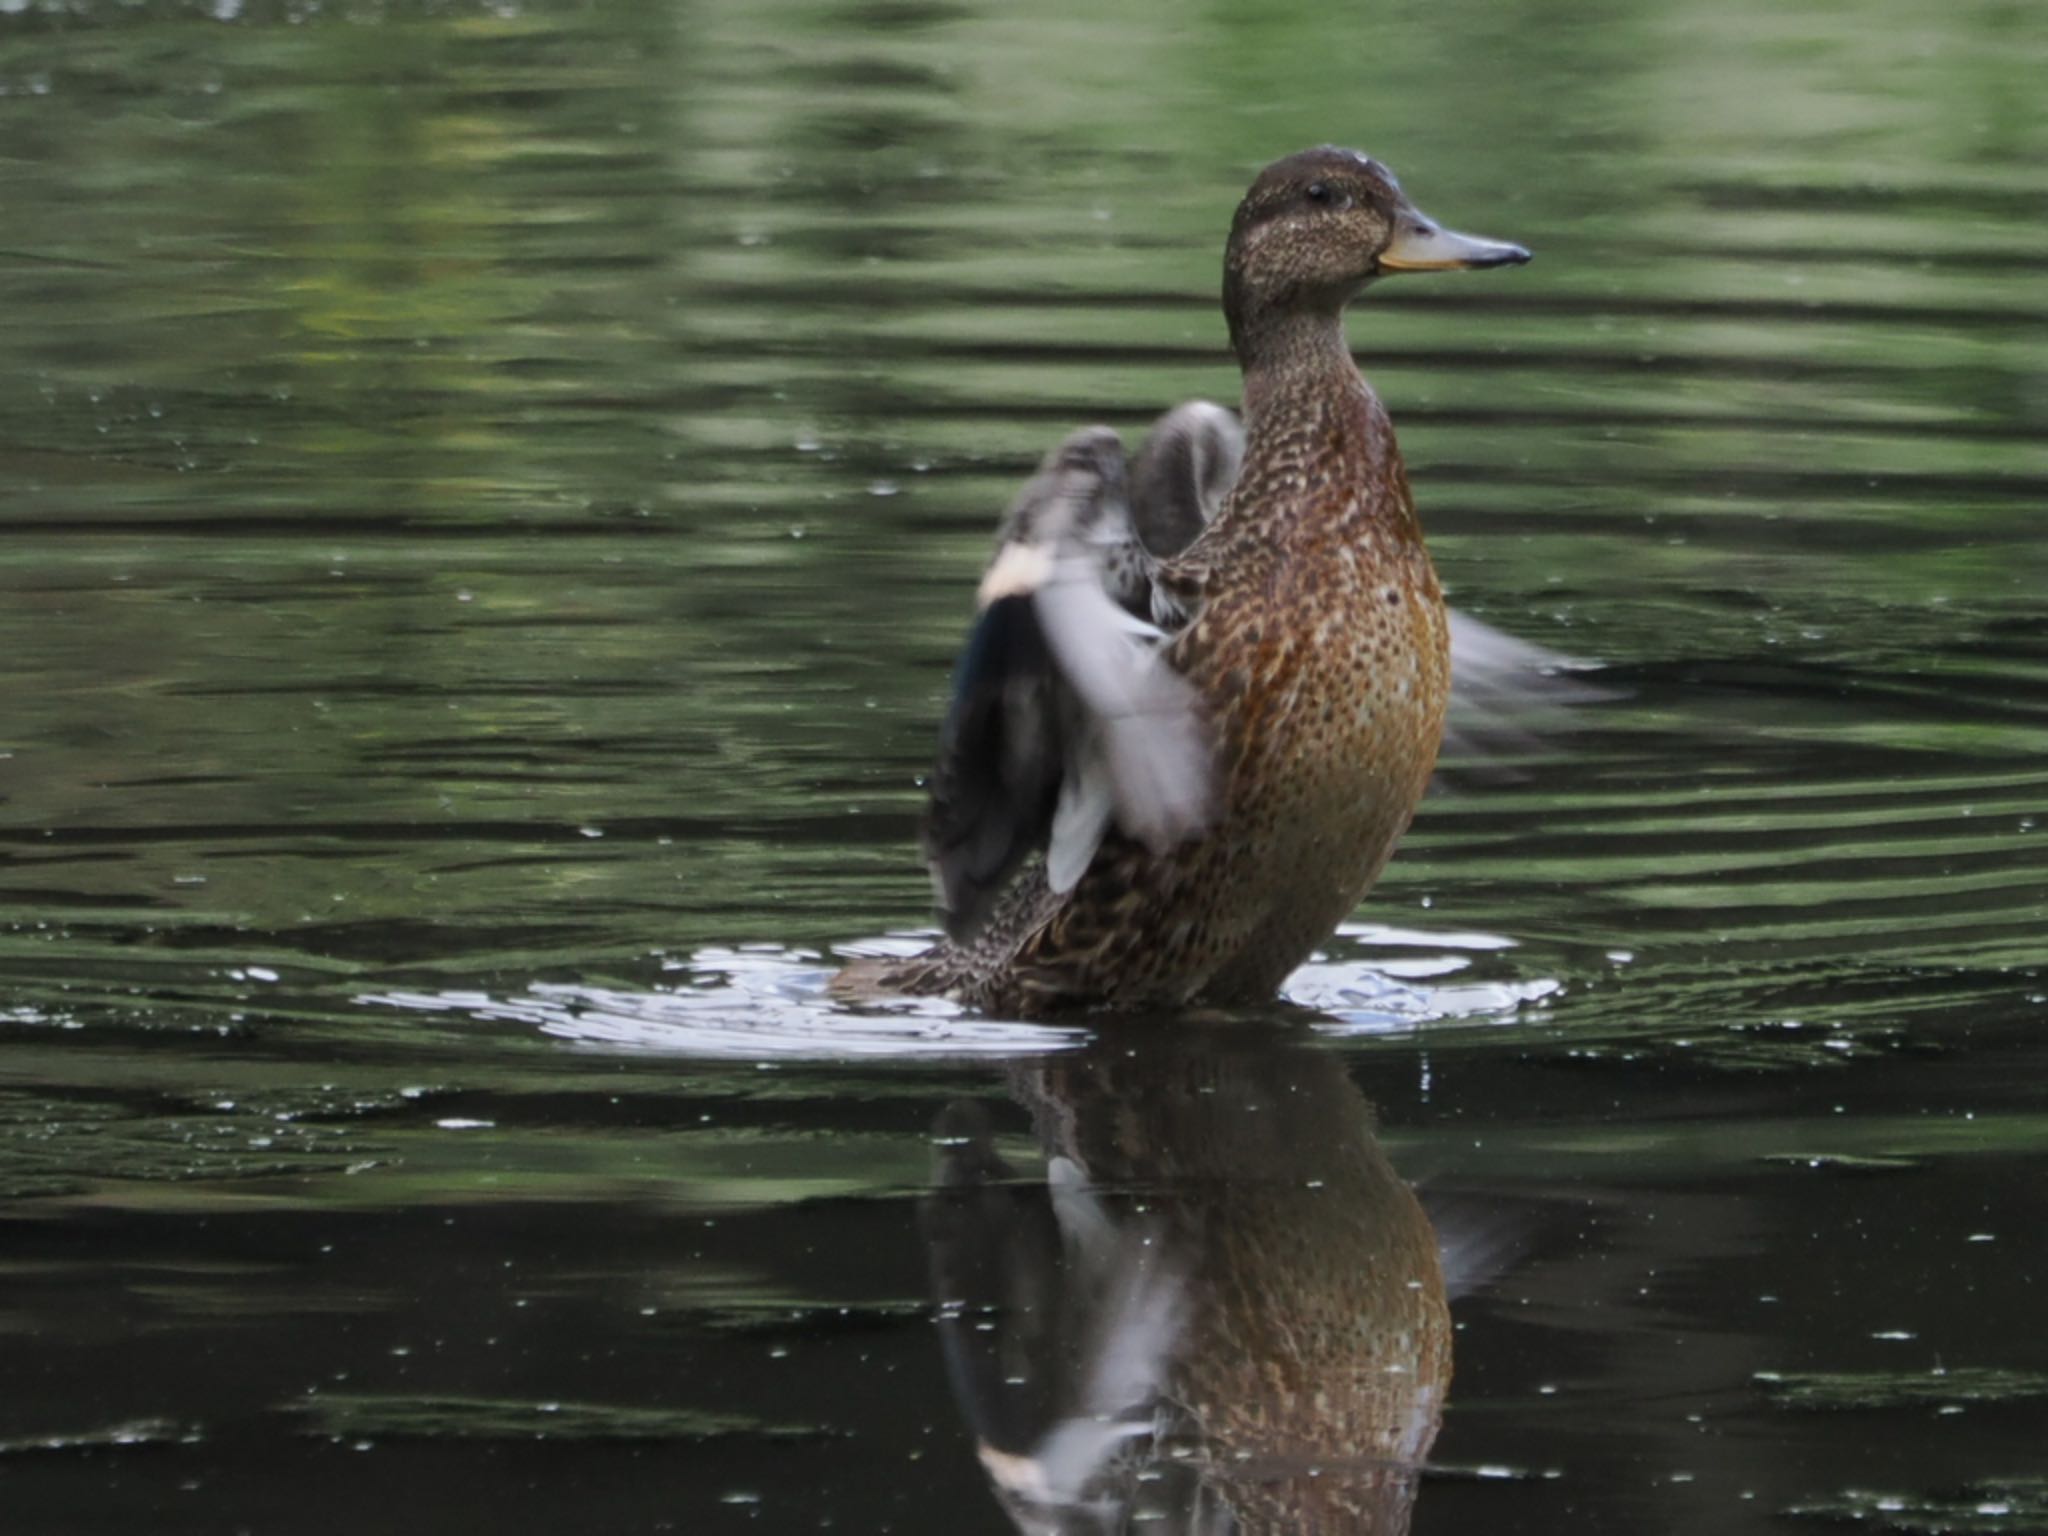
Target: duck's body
[[1319, 651], [1313, 639]]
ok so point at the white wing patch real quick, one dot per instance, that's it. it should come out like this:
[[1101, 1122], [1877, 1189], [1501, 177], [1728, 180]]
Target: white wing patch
[[1140, 755]]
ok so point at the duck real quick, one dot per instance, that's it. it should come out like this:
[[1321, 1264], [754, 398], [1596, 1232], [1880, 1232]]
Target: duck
[[1206, 686]]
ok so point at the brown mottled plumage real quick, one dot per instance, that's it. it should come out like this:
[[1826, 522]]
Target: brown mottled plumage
[[1316, 641]]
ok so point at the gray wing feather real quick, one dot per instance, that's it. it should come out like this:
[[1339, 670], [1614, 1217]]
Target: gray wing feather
[[1142, 756], [1507, 695], [1068, 720]]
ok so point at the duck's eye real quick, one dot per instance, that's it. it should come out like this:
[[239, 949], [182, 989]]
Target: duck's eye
[[1319, 192], [1323, 195]]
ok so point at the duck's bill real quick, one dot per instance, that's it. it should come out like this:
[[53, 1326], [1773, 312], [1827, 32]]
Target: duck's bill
[[1423, 247]]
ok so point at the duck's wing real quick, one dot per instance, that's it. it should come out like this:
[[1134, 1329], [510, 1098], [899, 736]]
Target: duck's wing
[[1066, 719], [1507, 697], [1182, 471], [996, 781]]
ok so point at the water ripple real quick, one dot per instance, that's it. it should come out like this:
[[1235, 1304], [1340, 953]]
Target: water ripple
[[763, 1002]]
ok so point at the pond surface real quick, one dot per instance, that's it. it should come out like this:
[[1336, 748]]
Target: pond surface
[[490, 496]]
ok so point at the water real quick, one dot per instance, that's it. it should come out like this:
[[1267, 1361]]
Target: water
[[491, 496]]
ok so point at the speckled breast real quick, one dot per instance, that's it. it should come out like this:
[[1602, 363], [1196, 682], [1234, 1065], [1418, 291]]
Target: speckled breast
[[1334, 719]]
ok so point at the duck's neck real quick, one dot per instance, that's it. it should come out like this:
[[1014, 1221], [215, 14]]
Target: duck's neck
[[1274, 343], [1313, 426]]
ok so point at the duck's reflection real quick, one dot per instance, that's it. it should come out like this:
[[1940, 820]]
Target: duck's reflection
[[1221, 1311]]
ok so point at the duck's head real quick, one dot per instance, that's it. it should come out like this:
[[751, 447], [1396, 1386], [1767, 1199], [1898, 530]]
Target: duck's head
[[1318, 226]]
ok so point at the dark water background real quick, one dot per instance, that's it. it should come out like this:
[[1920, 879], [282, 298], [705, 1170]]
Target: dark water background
[[488, 495]]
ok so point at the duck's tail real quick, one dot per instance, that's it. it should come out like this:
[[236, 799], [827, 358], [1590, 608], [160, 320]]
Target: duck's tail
[[872, 978]]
